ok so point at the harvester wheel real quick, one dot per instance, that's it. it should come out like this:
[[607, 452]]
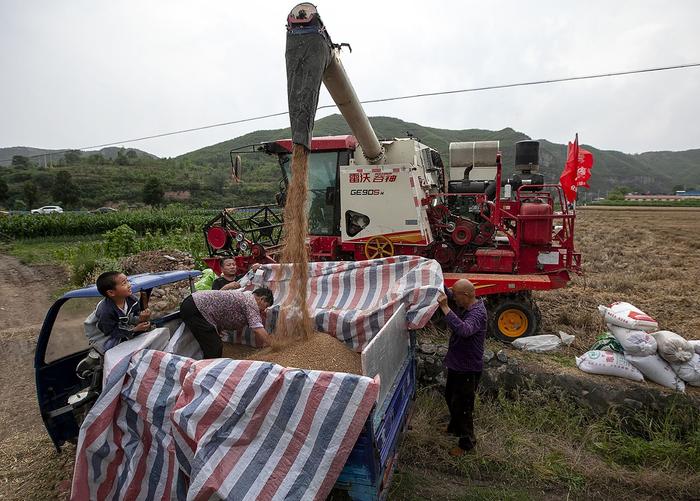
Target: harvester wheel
[[379, 246], [512, 317]]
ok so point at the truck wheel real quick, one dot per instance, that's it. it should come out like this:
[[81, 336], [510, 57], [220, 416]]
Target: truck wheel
[[513, 317]]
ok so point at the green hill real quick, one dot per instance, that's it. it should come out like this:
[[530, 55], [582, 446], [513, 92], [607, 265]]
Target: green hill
[[655, 172], [201, 178]]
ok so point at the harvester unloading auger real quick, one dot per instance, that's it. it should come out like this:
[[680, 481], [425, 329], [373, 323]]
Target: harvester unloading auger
[[364, 198]]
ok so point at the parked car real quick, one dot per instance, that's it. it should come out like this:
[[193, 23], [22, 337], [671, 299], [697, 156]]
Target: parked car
[[48, 209], [103, 210]]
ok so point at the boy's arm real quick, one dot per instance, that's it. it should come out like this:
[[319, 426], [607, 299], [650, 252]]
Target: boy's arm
[[108, 323]]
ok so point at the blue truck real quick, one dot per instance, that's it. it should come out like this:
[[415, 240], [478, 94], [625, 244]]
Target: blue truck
[[68, 381]]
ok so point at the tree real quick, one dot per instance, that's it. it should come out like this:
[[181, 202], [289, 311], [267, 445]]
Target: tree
[[132, 155], [64, 189], [153, 192], [30, 193], [21, 161], [96, 158], [121, 158], [217, 181], [4, 190], [44, 181], [72, 156]]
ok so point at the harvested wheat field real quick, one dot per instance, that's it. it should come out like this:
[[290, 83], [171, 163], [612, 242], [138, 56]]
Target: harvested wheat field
[[319, 352], [648, 257]]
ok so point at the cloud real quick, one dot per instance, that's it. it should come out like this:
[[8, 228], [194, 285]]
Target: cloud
[[80, 73]]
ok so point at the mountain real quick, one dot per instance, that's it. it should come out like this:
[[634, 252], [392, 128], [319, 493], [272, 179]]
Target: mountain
[[204, 174], [37, 154], [654, 172]]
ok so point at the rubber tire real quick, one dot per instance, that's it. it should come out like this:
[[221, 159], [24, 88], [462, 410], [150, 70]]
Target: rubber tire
[[521, 303]]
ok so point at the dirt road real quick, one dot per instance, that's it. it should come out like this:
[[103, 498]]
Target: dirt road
[[30, 468]]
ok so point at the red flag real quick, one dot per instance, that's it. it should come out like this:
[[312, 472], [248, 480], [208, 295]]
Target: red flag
[[583, 171], [577, 170]]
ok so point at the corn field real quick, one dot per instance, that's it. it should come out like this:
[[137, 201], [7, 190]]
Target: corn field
[[74, 224]]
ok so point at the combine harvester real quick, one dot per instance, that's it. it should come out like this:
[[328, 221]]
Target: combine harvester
[[372, 199]]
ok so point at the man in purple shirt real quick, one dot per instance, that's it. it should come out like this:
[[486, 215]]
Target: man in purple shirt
[[464, 359]]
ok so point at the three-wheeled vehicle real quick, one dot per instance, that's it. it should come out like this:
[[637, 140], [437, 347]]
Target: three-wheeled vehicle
[[69, 382], [67, 378]]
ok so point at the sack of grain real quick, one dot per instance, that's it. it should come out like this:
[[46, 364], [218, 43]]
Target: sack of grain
[[628, 316], [634, 342], [607, 342], [695, 343], [538, 344], [672, 347], [658, 370], [689, 371], [608, 363]]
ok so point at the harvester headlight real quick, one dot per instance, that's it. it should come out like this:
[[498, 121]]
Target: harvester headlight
[[243, 246], [240, 237]]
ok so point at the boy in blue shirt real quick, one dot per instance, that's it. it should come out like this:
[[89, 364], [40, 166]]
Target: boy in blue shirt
[[119, 316]]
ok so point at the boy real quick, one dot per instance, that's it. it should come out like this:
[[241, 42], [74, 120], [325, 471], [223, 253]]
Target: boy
[[119, 316]]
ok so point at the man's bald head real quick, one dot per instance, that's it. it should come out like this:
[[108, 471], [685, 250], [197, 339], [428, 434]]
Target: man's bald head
[[464, 292]]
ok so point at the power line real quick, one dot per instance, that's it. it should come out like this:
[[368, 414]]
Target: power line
[[380, 100]]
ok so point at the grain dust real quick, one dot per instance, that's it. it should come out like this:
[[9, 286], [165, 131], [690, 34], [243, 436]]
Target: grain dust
[[294, 320]]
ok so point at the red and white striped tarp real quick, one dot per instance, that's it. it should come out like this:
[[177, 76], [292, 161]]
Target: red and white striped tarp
[[170, 427], [353, 299]]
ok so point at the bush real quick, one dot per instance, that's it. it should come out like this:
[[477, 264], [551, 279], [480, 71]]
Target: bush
[[120, 241], [83, 262]]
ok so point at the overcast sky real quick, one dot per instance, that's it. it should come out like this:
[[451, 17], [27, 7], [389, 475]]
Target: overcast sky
[[76, 72]]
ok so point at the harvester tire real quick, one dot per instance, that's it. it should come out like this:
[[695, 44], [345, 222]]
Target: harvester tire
[[513, 317]]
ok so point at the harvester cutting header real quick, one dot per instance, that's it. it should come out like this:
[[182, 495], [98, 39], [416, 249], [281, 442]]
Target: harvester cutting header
[[369, 198]]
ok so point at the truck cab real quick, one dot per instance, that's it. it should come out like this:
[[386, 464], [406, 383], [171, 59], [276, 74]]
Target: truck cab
[[67, 382]]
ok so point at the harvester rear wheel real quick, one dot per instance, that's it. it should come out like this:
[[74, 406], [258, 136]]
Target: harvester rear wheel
[[512, 317], [379, 246]]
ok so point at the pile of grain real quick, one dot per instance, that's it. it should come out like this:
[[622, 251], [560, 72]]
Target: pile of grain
[[319, 351]]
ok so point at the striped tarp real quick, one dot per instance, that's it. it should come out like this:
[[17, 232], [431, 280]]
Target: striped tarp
[[170, 427], [353, 299]]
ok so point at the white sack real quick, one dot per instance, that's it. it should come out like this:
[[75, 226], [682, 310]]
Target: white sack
[[689, 371], [566, 339], [628, 316], [658, 370], [538, 344], [695, 343], [634, 342], [673, 348], [608, 363]]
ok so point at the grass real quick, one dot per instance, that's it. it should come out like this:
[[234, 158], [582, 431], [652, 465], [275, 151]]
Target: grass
[[84, 257], [540, 444], [648, 258], [39, 251]]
